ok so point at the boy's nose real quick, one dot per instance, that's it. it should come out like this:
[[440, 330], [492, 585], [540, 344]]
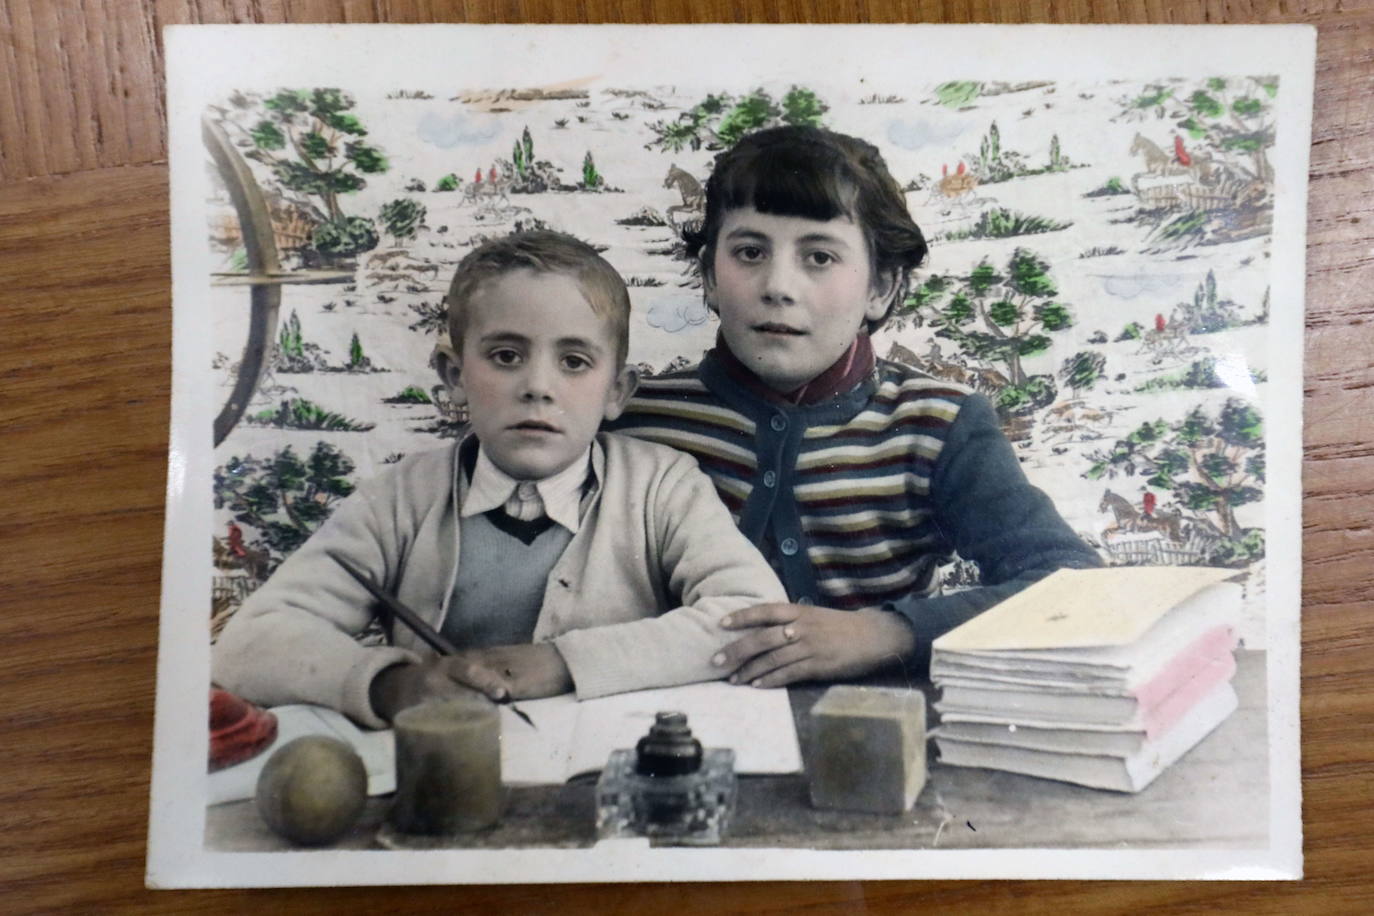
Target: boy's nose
[[537, 383]]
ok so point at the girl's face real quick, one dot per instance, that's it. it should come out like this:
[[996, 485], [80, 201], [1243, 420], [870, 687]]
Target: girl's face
[[792, 293]]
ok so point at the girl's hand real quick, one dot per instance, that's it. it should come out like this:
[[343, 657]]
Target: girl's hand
[[785, 643]]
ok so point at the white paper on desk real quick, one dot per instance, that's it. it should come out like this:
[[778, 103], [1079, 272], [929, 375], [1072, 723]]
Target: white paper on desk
[[573, 737], [378, 750]]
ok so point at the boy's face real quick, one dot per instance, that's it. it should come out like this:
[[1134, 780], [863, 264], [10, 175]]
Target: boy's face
[[792, 293], [538, 372]]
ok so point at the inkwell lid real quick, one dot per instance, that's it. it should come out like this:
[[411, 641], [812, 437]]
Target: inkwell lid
[[669, 749]]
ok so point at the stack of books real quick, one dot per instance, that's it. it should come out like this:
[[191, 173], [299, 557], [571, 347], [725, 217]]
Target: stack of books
[[1100, 677]]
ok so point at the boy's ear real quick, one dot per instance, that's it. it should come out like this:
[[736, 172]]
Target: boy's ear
[[450, 368], [880, 297], [622, 389]]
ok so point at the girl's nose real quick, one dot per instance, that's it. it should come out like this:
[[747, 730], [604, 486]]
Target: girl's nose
[[779, 285]]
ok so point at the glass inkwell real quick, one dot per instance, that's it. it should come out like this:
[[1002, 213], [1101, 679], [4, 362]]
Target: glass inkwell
[[668, 788]]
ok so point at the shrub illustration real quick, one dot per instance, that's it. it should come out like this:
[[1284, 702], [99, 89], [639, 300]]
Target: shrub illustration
[[402, 217], [718, 121], [283, 497]]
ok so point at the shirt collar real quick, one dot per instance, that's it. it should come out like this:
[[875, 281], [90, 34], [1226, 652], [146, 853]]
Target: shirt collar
[[490, 487], [853, 366]]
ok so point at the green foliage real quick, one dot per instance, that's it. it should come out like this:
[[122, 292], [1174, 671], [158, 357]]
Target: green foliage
[[299, 140], [719, 121], [299, 413], [356, 359], [448, 183], [754, 111], [999, 315], [802, 107], [1154, 97], [411, 394], [1132, 331], [1058, 161], [1083, 370], [289, 340], [284, 498], [958, 94], [1038, 391], [1207, 312], [345, 237], [1001, 223], [1110, 188], [1231, 124], [402, 217], [1211, 464], [1203, 104], [591, 179], [1189, 225]]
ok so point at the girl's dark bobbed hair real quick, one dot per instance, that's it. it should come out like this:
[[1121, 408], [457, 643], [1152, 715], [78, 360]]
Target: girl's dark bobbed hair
[[815, 174]]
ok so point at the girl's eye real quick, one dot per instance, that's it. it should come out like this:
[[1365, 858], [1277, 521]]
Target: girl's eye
[[504, 357], [575, 363], [749, 253]]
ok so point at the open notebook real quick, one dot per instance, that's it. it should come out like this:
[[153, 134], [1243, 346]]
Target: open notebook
[[568, 737]]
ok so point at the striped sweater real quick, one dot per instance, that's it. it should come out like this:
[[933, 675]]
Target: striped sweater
[[857, 499]]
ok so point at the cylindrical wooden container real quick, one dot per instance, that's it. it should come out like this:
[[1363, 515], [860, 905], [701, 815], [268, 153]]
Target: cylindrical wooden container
[[448, 767]]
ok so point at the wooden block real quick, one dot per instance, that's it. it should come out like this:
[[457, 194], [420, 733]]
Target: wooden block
[[868, 749]]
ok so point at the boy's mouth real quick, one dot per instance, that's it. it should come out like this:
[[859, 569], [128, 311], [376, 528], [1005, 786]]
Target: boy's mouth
[[538, 426], [772, 327]]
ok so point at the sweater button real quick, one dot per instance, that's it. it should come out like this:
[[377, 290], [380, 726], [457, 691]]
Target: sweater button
[[779, 422], [770, 479], [789, 546]]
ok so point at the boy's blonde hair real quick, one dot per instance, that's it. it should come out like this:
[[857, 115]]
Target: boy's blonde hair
[[543, 251]]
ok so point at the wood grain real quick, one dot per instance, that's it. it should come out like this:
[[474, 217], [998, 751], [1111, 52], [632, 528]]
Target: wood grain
[[86, 324]]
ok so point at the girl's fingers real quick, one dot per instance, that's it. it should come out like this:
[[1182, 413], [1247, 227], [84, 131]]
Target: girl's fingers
[[760, 615], [769, 662]]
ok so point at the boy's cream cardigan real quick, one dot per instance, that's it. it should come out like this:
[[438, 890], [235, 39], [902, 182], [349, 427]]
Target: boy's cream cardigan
[[634, 601]]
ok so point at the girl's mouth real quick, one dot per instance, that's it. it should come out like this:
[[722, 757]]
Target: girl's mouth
[[769, 327]]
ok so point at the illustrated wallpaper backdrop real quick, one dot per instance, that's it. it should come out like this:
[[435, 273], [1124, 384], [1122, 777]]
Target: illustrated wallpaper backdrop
[[1100, 269]]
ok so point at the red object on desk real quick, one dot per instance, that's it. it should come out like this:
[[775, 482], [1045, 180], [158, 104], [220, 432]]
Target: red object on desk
[[238, 729]]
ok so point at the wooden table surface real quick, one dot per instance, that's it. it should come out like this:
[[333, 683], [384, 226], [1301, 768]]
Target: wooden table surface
[[1210, 799], [86, 322]]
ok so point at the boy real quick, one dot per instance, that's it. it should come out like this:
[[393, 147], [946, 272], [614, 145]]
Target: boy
[[857, 477], [588, 561]]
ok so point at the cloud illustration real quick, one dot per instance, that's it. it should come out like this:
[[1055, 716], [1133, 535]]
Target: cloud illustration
[[454, 130], [1132, 285], [922, 133], [673, 315]]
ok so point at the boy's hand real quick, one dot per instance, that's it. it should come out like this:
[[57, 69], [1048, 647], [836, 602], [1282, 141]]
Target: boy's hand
[[786, 643], [530, 671], [500, 672], [402, 686]]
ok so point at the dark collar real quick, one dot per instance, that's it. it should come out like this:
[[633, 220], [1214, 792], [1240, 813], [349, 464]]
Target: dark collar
[[844, 375]]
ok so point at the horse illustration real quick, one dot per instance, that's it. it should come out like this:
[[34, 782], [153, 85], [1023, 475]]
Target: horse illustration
[[488, 194], [955, 189], [1157, 161], [1125, 514], [693, 206], [1129, 519]]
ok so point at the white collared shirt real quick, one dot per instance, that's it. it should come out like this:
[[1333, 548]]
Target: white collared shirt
[[559, 497]]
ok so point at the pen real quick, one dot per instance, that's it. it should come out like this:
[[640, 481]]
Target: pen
[[417, 625]]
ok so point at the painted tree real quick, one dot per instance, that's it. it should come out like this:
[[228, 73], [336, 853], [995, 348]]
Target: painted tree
[[284, 498], [1212, 464], [1228, 121], [522, 154], [1005, 317], [719, 121], [1083, 370], [402, 217], [313, 144], [591, 178]]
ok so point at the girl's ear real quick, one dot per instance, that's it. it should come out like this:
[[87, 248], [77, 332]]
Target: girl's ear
[[880, 297], [708, 283], [622, 389], [450, 368]]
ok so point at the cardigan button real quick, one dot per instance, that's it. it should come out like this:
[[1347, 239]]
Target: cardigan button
[[779, 422], [770, 479], [789, 546]]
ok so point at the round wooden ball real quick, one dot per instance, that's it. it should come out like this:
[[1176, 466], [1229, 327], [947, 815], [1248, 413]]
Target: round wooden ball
[[312, 790]]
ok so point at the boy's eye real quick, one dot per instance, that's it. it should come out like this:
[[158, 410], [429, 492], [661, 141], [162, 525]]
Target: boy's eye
[[821, 258], [575, 362], [505, 356]]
